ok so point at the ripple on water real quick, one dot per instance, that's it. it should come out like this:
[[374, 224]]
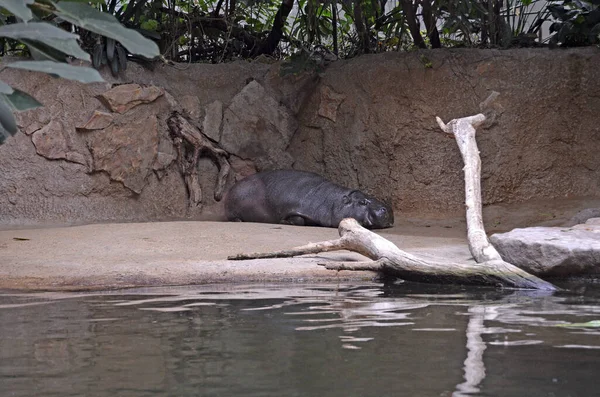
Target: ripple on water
[[273, 340]]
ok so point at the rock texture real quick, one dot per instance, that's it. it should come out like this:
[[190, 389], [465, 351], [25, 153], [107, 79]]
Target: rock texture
[[53, 142], [211, 125], [98, 121], [329, 103], [553, 251], [125, 97], [126, 152], [385, 139], [102, 152], [256, 126]]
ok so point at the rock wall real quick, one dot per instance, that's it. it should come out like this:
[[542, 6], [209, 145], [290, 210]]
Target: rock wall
[[103, 152]]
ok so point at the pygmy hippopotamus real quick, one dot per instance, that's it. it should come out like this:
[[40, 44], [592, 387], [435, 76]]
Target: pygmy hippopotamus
[[304, 199]]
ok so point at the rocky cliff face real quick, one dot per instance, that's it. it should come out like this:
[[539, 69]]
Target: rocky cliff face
[[103, 152]]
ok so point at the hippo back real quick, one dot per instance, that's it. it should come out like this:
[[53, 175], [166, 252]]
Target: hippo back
[[281, 195]]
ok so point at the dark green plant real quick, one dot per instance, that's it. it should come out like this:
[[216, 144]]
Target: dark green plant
[[103, 47], [51, 47], [576, 22], [496, 23]]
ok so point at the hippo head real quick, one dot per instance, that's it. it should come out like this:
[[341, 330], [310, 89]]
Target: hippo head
[[368, 211]]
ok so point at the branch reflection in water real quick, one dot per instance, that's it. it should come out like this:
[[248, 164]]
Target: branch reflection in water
[[255, 339]]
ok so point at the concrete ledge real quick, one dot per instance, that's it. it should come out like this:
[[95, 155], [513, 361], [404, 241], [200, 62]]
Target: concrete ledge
[[108, 256]]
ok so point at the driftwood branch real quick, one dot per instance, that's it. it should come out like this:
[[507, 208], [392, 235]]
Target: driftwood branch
[[388, 258], [488, 268], [187, 136], [464, 132]]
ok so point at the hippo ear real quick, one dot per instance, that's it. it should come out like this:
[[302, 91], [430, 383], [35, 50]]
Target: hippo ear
[[346, 199]]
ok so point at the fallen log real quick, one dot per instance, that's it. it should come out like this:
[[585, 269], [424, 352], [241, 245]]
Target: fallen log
[[488, 268], [389, 259]]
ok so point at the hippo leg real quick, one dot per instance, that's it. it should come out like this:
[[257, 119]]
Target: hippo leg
[[296, 220], [299, 220]]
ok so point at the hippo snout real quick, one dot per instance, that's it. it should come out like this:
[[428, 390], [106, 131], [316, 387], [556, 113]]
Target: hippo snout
[[384, 217], [379, 217]]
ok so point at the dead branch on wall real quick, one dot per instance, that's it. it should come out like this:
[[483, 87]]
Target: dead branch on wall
[[191, 144]]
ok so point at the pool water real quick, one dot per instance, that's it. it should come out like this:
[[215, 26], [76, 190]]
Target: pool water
[[376, 339]]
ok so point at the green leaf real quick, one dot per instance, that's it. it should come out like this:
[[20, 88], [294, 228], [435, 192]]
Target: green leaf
[[122, 57], [34, 31], [21, 101], [3, 135], [298, 63], [42, 52], [107, 25], [150, 24], [47, 34], [591, 324], [5, 88], [18, 8], [78, 73], [97, 55], [7, 120]]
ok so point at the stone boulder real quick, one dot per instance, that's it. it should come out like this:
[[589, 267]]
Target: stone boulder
[[123, 98], [127, 152], [53, 141], [583, 215], [553, 251], [256, 126]]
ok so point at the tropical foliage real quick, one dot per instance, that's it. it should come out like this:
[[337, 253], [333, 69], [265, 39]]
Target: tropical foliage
[[36, 26], [223, 30], [576, 23]]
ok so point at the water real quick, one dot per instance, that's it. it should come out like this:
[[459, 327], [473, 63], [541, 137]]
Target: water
[[298, 340]]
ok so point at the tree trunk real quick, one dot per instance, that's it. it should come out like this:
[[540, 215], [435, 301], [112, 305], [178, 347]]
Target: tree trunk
[[389, 259], [269, 45], [430, 24], [410, 13], [361, 30], [334, 24]]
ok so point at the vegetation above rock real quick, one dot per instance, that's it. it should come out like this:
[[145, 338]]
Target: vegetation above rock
[[306, 33]]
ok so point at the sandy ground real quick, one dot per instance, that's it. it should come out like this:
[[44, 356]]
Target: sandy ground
[[105, 256], [108, 256]]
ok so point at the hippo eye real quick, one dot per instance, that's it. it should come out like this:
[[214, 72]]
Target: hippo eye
[[364, 202]]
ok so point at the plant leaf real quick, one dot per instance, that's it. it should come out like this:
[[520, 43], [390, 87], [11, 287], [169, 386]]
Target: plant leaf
[[3, 135], [122, 57], [35, 30], [47, 34], [18, 8], [78, 73], [110, 49], [5, 88], [42, 52], [21, 101], [107, 25], [97, 55], [114, 66], [7, 119]]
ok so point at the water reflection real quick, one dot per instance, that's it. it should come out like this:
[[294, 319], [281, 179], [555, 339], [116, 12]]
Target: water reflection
[[473, 366], [300, 340]]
